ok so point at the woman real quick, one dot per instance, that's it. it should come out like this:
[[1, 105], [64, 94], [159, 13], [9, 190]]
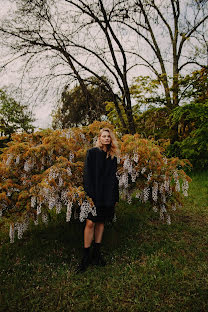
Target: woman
[[100, 184]]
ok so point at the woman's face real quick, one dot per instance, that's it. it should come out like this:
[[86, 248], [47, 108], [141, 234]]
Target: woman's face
[[105, 138]]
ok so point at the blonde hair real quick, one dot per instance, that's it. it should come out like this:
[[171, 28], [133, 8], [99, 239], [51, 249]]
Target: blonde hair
[[113, 149]]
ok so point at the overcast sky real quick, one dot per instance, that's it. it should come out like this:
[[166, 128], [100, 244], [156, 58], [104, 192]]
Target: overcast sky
[[42, 106], [11, 79]]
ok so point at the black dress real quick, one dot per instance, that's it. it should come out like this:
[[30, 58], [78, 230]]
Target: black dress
[[101, 183]]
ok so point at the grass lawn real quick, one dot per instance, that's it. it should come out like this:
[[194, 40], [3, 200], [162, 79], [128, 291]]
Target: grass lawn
[[151, 266]]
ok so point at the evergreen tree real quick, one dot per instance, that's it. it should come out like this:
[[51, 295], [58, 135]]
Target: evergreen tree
[[14, 117]]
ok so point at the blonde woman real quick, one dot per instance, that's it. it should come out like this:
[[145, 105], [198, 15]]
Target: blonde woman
[[101, 184]]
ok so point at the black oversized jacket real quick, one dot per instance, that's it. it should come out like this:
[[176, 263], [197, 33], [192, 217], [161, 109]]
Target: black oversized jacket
[[100, 181]]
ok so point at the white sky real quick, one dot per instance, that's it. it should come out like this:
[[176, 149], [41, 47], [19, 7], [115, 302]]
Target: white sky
[[11, 79]]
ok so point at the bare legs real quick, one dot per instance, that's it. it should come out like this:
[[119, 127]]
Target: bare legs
[[88, 233], [99, 228], [92, 228]]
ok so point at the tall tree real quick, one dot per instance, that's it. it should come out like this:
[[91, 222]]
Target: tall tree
[[109, 38], [168, 30], [48, 30]]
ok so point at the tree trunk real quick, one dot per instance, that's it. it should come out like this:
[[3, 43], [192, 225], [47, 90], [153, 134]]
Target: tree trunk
[[130, 118]]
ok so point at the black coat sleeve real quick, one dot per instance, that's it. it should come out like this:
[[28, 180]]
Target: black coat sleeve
[[87, 175], [116, 182]]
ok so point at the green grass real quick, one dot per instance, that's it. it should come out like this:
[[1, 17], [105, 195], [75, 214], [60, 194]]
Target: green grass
[[151, 266]]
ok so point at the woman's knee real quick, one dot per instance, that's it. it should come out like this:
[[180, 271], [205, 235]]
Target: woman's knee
[[90, 224]]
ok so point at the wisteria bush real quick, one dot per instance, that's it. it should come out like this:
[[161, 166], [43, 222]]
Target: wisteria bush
[[145, 170], [44, 171]]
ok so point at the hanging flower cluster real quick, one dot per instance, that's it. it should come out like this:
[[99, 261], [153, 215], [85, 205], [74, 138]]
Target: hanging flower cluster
[[40, 172], [44, 171], [152, 176]]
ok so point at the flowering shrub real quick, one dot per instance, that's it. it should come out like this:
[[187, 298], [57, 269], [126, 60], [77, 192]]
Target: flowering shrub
[[43, 171], [155, 178]]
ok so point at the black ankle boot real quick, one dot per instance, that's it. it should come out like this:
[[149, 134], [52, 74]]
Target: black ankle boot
[[85, 261], [97, 258]]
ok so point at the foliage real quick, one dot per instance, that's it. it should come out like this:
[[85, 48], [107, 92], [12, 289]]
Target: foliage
[[14, 116], [151, 116], [183, 128], [155, 178], [188, 118], [147, 91], [75, 109], [114, 118], [194, 86], [192, 143], [154, 123], [43, 171]]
